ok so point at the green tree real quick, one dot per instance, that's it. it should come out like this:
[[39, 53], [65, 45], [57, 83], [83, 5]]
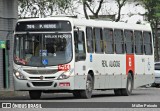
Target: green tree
[[153, 16]]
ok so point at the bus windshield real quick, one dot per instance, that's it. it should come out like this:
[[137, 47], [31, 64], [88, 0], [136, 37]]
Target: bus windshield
[[42, 49]]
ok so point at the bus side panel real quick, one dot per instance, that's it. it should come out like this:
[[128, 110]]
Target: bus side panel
[[139, 78], [115, 70], [99, 71], [80, 75], [144, 69], [149, 65], [149, 69], [124, 80]]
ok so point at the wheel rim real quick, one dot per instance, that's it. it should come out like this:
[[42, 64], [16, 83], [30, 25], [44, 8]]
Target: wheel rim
[[129, 85], [89, 86]]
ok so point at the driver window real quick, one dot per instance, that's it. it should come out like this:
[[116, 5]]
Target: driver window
[[79, 42]]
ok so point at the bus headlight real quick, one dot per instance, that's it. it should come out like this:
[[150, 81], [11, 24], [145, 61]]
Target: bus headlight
[[65, 75], [19, 75]]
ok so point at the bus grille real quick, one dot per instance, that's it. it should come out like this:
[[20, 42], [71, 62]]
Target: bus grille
[[42, 83], [41, 71], [44, 77]]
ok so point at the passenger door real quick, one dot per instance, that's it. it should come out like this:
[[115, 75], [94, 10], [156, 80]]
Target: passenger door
[[139, 59], [149, 57], [80, 57]]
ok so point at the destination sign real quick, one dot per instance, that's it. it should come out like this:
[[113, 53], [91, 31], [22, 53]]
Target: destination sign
[[43, 26]]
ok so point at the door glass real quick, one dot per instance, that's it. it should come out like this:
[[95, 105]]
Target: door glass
[[80, 50]]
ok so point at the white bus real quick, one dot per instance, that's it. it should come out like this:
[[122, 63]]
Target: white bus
[[63, 54]]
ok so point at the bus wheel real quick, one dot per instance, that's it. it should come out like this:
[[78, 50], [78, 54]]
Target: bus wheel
[[129, 87], [117, 92], [35, 94], [89, 87], [76, 94]]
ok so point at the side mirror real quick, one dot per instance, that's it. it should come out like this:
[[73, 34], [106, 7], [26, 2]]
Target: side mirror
[[8, 44]]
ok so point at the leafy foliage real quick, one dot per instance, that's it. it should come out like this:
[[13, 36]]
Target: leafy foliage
[[153, 16], [42, 8], [152, 10]]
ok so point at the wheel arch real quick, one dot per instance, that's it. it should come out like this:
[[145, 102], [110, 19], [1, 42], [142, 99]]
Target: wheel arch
[[90, 72]]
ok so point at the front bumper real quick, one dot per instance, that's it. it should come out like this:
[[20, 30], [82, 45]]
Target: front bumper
[[26, 85]]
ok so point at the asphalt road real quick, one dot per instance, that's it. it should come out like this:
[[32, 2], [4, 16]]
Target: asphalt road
[[139, 95]]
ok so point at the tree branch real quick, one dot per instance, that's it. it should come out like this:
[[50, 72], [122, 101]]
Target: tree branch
[[89, 7], [85, 11], [100, 5], [120, 5]]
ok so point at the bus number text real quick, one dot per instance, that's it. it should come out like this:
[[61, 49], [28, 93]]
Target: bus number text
[[65, 67]]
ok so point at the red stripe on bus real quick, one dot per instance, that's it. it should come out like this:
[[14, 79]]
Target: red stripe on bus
[[130, 66]]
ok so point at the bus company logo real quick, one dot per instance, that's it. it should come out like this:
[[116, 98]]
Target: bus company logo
[[130, 62], [6, 105], [41, 77], [64, 67]]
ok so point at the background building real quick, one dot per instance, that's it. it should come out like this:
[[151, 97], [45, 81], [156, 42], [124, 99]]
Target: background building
[[8, 18]]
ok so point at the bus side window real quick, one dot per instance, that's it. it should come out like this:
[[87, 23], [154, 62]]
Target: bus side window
[[98, 40], [119, 41], [108, 41], [129, 44], [138, 42], [147, 43], [79, 41], [89, 37]]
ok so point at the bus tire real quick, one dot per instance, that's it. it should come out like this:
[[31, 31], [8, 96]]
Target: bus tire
[[129, 86], [117, 92], [35, 94], [76, 94], [87, 93]]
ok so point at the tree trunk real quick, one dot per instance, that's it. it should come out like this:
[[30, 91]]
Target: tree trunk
[[96, 15], [156, 44], [119, 14], [85, 11]]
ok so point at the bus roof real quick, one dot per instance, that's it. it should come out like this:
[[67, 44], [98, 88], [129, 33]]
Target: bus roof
[[110, 24], [96, 23], [45, 19]]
